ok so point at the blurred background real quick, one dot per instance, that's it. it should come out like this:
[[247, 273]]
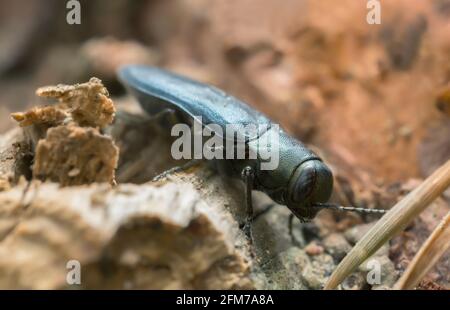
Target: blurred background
[[367, 95]]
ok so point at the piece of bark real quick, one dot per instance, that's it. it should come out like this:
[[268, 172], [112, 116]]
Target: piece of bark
[[15, 158], [49, 115], [36, 121], [154, 236], [65, 138], [89, 103], [72, 155]]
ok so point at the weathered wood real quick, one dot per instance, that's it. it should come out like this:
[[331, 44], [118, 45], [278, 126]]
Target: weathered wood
[[15, 158], [154, 236]]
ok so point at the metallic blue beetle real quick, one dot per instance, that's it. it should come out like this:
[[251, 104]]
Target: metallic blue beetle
[[301, 182]]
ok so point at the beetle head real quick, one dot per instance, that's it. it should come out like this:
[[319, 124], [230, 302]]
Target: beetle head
[[311, 183]]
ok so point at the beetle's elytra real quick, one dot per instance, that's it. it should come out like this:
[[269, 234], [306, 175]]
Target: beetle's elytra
[[301, 179]]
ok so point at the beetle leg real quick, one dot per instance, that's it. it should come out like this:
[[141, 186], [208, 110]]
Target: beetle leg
[[291, 229], [247, 176], [189, 164], [165, 116], [264, 210]]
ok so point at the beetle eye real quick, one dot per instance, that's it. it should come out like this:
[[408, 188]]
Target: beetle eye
[[312, 182]]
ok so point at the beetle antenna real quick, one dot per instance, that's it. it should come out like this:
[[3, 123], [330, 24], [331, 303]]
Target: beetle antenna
[[352, 209]]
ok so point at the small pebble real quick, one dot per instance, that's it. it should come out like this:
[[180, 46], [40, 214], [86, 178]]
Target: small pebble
[[337, 246], [313, 249]]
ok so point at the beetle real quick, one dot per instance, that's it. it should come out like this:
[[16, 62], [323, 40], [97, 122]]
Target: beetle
[[302, 181]]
